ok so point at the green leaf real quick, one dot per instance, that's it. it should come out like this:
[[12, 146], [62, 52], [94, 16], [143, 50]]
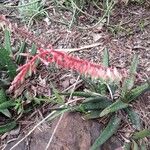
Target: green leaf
[[134, 145], [92, 114], [3, 98], [113, 87], [100, 99], [107, 132], [59, 98], [94, 104], [106, 58], [91, 84], [81, 94], [136, 92], [58, 113], [7, 62], [7, 127], [114, 107], [101, 87], [7, 104], [134, 118], [21, 50], [6, 113], [127, 146], [33, 49], [129, 82], [7, 42], [141, 134], [134, 64]]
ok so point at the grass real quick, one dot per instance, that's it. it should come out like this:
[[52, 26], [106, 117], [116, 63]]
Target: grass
[[31, 10], [34, 9], [78, 8]]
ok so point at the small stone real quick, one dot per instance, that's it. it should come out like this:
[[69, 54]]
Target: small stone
[[65, 84]]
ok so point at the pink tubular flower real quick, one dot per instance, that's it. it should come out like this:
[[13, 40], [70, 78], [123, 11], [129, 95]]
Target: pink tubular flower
[[68, 62], [59, 58]]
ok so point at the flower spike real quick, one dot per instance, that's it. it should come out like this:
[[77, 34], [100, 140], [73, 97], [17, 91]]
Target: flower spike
[[68, 62]]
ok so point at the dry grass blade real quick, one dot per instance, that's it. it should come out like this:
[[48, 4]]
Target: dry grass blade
[[69, 50], [50, 140]]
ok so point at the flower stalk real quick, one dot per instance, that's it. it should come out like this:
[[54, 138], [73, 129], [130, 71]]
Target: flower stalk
[[68, 62]]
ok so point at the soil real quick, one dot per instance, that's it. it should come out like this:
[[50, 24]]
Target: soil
[[128, 34]]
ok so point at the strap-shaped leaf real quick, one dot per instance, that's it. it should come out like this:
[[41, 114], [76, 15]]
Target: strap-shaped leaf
[[99, 98], [106, 58], [102, 88], [7, 62], [90, 83], [141, 134], [33, 49], [114, 107], [7, 127], [136, 92], [107, 132], [3, 98], [7, 104], [57, 113], [129, 82], [6, 113], [95, 105], [21, 50], [134, 65], [134, 145], [7, 42], [59, 98], [134, 118]]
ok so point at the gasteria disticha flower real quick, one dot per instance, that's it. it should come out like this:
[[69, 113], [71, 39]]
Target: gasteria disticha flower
[[68, 62]]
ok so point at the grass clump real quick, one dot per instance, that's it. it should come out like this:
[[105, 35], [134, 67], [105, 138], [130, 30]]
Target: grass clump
[[30, 10], [80, 9]]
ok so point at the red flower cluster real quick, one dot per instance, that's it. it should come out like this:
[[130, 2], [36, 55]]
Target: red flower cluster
[[61, 59], [68, 62]]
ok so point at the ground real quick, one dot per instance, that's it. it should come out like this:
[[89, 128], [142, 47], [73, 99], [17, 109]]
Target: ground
[[128, 33]]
